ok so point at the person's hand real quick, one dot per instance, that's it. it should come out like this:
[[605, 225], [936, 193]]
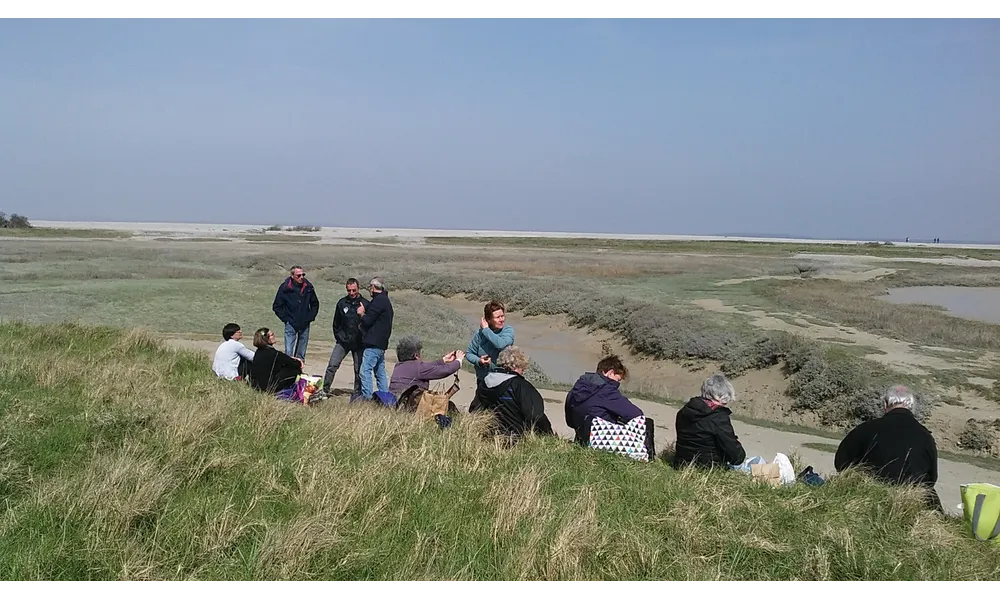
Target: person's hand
[[484, 360], [301, 362], [483, 323], [448, 357], [361, 310], [459, 355]]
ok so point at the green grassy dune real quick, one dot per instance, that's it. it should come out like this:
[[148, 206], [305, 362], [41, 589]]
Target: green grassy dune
[[120, 459]]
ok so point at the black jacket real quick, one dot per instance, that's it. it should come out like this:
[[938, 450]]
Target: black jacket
[[376, 325], [273, 370], [515, 403], [894, 448], [705, 437], [295, 304], [346, 322]]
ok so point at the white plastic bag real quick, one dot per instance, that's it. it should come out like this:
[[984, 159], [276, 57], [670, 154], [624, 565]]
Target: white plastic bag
[[785, 467]]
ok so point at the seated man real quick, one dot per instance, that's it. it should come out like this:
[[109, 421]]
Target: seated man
[[597, 395], [272, 370], [232, 359], [894, 448], [515, 403], [411, 370], [705, 435]]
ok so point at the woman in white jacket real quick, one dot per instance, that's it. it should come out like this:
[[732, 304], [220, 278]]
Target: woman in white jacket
[[232, 359]]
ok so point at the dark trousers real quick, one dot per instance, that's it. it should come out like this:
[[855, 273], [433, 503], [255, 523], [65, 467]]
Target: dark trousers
[[337, 357]]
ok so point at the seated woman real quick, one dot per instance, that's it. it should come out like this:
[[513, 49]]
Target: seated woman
[[272, 370], [515, 403], [232, 359], [705, 435], [411, 369]]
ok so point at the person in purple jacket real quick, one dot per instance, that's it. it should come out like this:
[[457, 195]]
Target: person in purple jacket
[[411, 370], [597, 395]]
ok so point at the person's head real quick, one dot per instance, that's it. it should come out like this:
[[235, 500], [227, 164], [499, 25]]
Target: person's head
[[513, 359], [612, 367], [718, 389], [897, 396], [263, 337], [408, 348], [494, 314], [298, 274], [353, 288], [232, 332], [375, 286]]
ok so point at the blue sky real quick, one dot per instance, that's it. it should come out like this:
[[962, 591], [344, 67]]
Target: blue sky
[[844, 128]]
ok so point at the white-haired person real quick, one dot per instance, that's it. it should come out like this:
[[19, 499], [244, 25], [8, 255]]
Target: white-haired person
[[894, 448], [515, 403], [705, 435]]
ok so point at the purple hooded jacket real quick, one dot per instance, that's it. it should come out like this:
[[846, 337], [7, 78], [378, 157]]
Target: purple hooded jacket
[[594, 395]]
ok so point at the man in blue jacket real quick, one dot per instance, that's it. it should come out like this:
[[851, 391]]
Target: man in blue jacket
[[493, 336], [297, 305], [597, 395], [376, 328]]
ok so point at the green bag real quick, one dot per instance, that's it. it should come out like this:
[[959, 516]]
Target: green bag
[[981, 502]]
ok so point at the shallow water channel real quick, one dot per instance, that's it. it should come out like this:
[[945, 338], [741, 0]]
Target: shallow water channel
[[981, 304]]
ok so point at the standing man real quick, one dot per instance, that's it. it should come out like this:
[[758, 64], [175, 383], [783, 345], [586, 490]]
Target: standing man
[[376, 328], [493, 336], [296, 305], [346, 336]]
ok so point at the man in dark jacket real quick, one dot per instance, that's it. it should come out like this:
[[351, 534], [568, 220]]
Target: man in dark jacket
[[597, 395], [296, 305], [705, 435], [516, 405], [346, 337], [376, 328], [895, 448]]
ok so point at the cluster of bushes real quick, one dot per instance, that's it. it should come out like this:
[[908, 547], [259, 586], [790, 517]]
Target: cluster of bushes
[[293, 228], [980, 435], [14, 221]]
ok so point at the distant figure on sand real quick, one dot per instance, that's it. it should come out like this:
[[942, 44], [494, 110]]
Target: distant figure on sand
[[376, 329], [297, 305], [492, 337], [597, 394], [515, 403], [346, 336], [894, 448], [411, 369], [232, 359], [705, 435], [272, 370]]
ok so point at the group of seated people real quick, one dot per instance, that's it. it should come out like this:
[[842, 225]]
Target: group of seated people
[[894, 448]]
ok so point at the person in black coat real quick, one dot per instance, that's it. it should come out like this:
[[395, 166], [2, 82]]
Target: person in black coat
[[271, 370], [376, 329], [516, 405], [705, 435], [347, 336], [894, 448], [297, 305]]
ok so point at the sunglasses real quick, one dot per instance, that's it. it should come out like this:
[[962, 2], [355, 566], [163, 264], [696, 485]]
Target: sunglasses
[[298, 275]]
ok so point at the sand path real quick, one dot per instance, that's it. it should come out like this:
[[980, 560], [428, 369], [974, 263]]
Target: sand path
[[757, 440]]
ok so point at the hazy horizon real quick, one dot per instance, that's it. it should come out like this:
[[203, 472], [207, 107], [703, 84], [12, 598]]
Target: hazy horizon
[[846, 129]]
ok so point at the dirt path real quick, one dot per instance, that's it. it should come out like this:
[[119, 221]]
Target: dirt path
[[757, 440]]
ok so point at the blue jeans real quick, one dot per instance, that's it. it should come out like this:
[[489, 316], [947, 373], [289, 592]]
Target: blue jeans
[[295, 341], [373, 359]]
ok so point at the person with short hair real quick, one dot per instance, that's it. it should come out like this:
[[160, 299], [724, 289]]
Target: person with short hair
[[347, 336], [490, 339], [516, 405], [598, 394], [297, 305], [232, 359], [705, 435], [894, 448], [376, 329], [411, 369]]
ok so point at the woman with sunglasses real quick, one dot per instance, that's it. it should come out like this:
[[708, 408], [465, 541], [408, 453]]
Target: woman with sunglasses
[[272, 370]]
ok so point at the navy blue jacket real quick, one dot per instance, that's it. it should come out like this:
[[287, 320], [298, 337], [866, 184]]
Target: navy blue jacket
[[376, 325], [295, 304], [594, 395]]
